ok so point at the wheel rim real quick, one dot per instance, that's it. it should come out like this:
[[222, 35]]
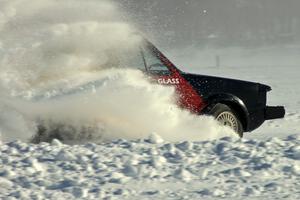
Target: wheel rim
[[228, 119]]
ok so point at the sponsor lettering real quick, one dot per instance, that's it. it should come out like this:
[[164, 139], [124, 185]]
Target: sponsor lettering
[[169, 81]]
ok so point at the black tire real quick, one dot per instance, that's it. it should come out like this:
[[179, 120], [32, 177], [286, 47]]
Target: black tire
[[227, 117]]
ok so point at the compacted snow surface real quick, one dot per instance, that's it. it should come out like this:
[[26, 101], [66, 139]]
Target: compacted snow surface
[[152, 169]]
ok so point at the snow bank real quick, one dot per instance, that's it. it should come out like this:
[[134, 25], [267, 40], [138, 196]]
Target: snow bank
[[145, 169]]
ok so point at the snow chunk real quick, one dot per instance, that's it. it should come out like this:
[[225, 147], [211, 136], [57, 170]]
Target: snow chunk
[[34, 164], [296, 169], [251, 191], [8, 173], [185, 146], [79, 192], [294, 152], [130, 171], [117, 177], [64, 155], [183, 174], [158, 161], [154, 138], [56, 142], [218, 193], [5, 183], [204, 174], [120, 192]]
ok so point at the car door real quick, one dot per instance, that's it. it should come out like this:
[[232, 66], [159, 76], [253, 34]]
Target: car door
[[165, 73]]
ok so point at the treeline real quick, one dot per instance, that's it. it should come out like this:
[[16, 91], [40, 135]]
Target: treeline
[[219, 22]]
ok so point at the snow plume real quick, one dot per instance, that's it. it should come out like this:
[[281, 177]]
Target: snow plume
[[46, 40], [52, 53], [123, 104]]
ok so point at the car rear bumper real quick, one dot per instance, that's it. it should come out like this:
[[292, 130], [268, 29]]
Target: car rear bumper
[[274, 112]]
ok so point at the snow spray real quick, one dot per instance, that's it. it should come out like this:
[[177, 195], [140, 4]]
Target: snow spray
[[51, 58]]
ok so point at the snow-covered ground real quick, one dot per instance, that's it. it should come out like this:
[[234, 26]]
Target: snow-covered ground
[[152, 169]]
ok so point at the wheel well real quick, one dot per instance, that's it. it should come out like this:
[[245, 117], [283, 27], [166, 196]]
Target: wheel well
[[239, 111]]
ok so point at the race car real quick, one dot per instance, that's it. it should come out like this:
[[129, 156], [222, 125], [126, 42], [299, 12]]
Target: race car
[[238, 104]]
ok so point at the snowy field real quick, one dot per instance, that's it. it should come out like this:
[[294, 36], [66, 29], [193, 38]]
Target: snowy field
[[190, 157], [152, 169]]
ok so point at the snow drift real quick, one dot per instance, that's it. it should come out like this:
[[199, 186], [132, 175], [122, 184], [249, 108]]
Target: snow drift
[[51, 70]]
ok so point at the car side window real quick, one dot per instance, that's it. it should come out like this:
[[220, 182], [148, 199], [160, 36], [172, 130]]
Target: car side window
[[132, 58], [154, 64]]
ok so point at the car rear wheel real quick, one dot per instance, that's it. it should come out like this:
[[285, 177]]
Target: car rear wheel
[[227, 117]]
